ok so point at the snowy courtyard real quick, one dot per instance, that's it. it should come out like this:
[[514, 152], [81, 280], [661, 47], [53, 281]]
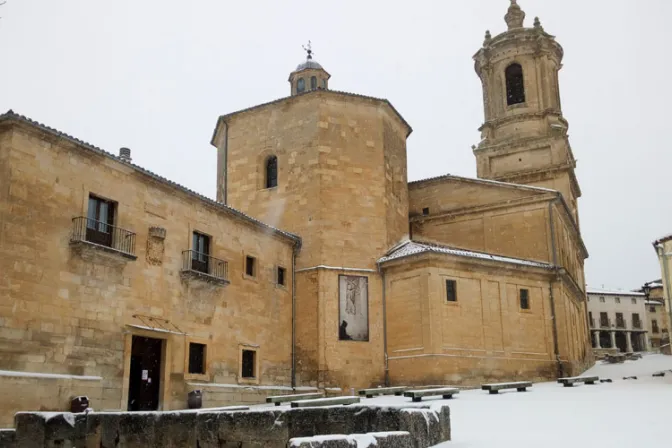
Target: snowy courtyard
[[624, 413]]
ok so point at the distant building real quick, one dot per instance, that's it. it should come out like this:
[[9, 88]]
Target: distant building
[[663, 248], [657, 317], [617, 320]]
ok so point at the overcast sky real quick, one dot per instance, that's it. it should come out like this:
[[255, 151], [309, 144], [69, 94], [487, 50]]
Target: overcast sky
[[154, 75]]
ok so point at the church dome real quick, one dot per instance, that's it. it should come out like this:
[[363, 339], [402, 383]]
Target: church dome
[[308, 63]]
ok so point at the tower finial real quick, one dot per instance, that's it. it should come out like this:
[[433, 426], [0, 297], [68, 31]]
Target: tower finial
[[515, 16], [488, 38], [309, 50], [537, 24]]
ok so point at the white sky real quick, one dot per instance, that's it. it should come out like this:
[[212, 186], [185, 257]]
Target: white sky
[[154, 75]]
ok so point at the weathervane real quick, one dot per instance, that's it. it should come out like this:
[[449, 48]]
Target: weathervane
[[309, 49]]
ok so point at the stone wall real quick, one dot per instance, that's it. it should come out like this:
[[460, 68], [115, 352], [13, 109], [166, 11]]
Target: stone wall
[[43, 392], [427, 425], [74, 309]]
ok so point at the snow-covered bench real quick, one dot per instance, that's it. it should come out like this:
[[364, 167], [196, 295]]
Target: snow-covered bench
[[279, 399], [324, 402], [520, 386], [569, 381], [445, 392], [369, 393]]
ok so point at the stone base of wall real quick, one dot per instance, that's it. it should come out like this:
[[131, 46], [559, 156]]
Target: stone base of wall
[[43, 392], [427, 425], [464, 371], [218, 395]]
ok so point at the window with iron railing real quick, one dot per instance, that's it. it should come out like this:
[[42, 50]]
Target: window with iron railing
[[620, 322], [604, 320], [636, 323], [654, 326], [97, 227]]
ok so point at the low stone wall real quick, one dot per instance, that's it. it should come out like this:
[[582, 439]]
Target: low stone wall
[[600, 353], [43, 392], [393, 439], [427, 425]]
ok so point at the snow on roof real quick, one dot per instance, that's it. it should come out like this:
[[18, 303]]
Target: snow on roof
[[413, 248], [662, 239], [484, 181], [653, 302], [57, 376], [613, 292]]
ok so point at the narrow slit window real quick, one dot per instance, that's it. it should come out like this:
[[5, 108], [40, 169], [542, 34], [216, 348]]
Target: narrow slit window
[[196, 358], [250, 266], [272, 172], [248, 364], [451, 290], [313, 83], [425, 211], [281, 276], [515, 85], [524, 299]]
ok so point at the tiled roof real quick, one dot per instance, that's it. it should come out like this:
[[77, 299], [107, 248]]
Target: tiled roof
[[11, 115], [414, 247], [308, 92], [613, 292]]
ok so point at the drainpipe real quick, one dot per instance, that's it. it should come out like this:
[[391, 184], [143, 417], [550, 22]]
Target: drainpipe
[[660, 250], [296, 248], [556, 350], [387, 364]]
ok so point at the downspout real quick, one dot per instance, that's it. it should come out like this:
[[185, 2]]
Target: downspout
[[387, 364], [225, 163], [295, 249], [660, 250], [556, 350]]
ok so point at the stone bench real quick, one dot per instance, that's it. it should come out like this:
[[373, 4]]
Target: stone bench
[[445, 392], [279, 399], [369, 393], [569, 381], [324, 402], [520, 386]]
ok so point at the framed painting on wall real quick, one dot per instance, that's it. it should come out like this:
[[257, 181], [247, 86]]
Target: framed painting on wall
[[353, 308]]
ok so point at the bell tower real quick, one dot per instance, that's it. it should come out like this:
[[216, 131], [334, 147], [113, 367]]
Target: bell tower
[[524, 137]]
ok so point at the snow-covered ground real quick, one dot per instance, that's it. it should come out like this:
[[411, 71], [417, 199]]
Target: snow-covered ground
[[624, 413]]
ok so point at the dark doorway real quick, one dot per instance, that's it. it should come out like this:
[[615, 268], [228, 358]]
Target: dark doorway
[[145, 377], [620, 341], [605, 339], [637, 343]]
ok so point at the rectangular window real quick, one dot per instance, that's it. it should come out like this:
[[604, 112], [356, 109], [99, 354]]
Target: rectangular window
[[620, 323], [196, 358], [601, 299], [200, 252], [652, 309], [590, 318], [524, 299], [604, 320], [451, 290], [250, 266], [634, 301], [617, 300], [281, 276], [425, 211], [248, 363], [636, 323], [99, 222], [654, 326]]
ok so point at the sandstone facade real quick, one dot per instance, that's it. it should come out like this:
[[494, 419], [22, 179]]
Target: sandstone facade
[[444, 280]]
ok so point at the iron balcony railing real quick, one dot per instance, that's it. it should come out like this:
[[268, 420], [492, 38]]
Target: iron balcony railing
[[637, 324], [620, 323], [103, 234], [198, 262], [605, 323]]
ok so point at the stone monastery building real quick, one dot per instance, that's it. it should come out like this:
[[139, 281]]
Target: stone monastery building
[[121, 285]]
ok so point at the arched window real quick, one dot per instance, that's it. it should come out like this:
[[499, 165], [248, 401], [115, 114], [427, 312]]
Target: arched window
[[313, 83], [300, 85], [515, 86], [272, 172], [324, 84]]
